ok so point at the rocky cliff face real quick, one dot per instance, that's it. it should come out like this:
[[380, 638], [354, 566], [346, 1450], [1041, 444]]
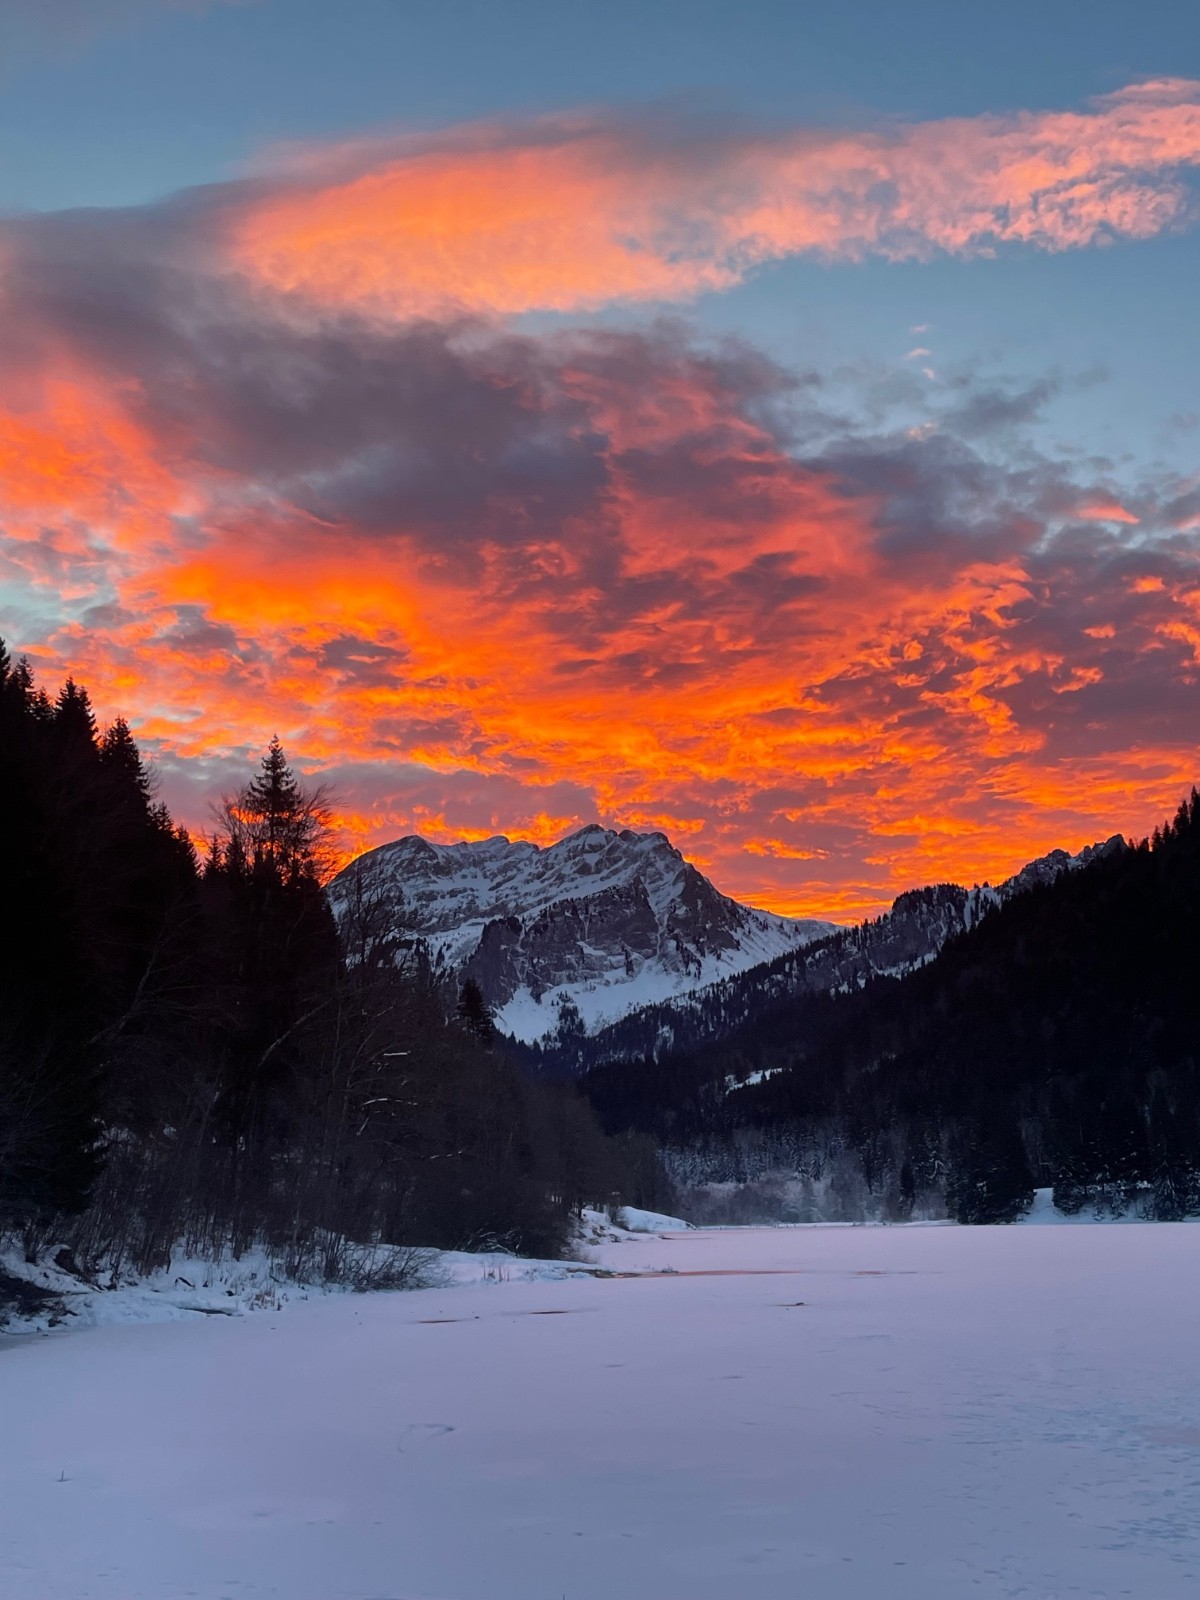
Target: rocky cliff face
[[911, 933], [574, 935]]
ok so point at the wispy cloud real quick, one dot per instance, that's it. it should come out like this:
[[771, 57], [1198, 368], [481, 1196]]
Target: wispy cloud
[[578, 212]]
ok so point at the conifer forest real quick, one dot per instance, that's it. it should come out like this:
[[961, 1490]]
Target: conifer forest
[[194, 1053]]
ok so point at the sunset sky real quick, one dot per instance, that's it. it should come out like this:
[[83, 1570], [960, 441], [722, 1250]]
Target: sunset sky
[[774, 424]]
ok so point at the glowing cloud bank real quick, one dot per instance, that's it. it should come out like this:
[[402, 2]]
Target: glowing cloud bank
[[273, 459], [564, 214]]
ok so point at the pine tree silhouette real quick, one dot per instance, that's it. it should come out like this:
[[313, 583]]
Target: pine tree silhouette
[[474, 1011]]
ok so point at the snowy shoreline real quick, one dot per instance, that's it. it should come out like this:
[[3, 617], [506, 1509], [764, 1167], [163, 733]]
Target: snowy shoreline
[[193, 1288]]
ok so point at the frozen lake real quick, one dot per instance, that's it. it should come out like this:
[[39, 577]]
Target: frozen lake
[[835, 1413]]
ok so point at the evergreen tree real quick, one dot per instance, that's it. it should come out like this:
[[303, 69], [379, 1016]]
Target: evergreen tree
[[122, 760], [990, 1180], [281, 826], [74, 719], [191, 1053], [49, 1007], [1174, 1166], [475, 1013]]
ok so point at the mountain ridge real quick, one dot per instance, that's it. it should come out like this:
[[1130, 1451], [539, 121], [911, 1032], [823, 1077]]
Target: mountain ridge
[[916, 927], [568, 936], [610, 943]]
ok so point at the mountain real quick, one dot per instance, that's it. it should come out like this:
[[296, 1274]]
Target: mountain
[[564, 939], [1052, 1043], [908, 936]]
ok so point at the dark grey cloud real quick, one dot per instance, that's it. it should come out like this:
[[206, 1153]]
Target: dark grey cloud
[[363, 663], [942, 502], [193, 633], [995, 408]]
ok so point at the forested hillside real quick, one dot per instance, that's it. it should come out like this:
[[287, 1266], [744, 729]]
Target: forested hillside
[[1056, 1042], [910, 933], [191, 1050]]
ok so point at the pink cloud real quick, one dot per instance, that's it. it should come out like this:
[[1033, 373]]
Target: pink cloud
[[576, 212]]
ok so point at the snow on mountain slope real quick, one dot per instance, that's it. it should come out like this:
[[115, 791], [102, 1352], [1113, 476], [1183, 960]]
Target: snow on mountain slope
[[598, 924], [907, 936], [921, 920]]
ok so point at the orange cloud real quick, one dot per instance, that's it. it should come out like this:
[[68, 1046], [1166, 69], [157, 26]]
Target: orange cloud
[[1104, 510], [553, 226], [489, 581], [574, 213], [75, 451], [777, 687]]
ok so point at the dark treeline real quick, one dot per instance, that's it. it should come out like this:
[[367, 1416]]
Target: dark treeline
[[1057, 1043], [193, 1052]]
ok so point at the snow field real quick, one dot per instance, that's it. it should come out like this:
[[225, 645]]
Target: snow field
[[634, 1220], [765, 1414]]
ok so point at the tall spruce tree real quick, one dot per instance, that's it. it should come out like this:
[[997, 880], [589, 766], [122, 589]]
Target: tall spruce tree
[[474, 1012], [49, 1006], [279, 956]]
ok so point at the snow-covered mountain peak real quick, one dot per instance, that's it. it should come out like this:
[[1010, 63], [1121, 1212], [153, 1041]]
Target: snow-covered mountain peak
[[602, 921]]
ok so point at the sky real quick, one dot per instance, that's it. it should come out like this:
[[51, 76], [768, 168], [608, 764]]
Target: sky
[[770, 424]]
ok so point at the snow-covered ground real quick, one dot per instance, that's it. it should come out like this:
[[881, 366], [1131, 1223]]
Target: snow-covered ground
[[634, 1220], [257, 1281], [842, 1413]]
